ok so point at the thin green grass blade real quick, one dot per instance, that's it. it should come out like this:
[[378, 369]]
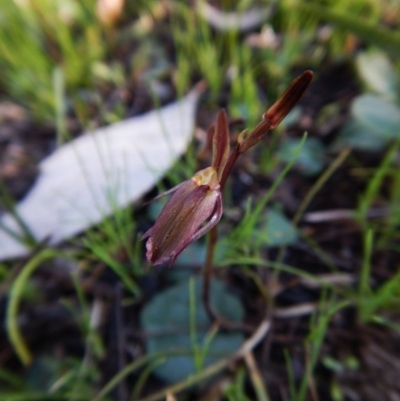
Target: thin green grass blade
[[13, 330]]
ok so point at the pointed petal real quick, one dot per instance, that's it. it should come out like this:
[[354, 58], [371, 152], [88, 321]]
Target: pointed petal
[[167, 215], [146, 234], [220, 143], [278, 111], [165, 193], [179, 221], [215, 218]]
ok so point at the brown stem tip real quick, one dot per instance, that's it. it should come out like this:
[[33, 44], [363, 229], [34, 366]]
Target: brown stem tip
[[278, 111]]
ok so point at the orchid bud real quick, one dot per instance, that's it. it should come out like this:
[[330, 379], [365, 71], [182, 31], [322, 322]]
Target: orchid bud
[[194, 208], [279, 110]]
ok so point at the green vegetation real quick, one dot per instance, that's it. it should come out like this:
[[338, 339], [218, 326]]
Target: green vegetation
[[308, 245]]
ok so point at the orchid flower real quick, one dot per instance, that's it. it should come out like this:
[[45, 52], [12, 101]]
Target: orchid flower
[[193, 203], [196, 204]]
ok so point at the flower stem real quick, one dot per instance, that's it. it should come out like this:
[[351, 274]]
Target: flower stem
[[229, 165], [212, 241], [221, 321]]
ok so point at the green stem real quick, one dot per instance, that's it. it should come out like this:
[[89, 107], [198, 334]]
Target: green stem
[[212, 240], [314, 190], [320, 183], [14, 333]]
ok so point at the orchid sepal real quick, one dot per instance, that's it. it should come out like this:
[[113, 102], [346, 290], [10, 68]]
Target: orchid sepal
[[165, 193], [194, 208], [214, 220], [221, 145]]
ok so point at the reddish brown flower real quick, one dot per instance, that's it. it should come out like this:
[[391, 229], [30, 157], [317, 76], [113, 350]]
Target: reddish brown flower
[[196, 205], [193, 203]]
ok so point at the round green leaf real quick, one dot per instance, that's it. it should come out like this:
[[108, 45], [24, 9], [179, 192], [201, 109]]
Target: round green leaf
[[279, 230], [377, 114], [166, 321], [377, 72], [193, 255], [311, 158], [359, 136]]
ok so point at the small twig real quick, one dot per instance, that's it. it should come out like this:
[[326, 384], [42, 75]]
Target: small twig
[[97, 313], [343, 214], [256, 378], [214, 316], [330, 279], [311, 382], [295, 311]]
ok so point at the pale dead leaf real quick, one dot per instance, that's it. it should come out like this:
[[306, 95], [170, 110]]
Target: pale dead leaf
[[295, 311], [342, 214], [331, 279], [85, 180]]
